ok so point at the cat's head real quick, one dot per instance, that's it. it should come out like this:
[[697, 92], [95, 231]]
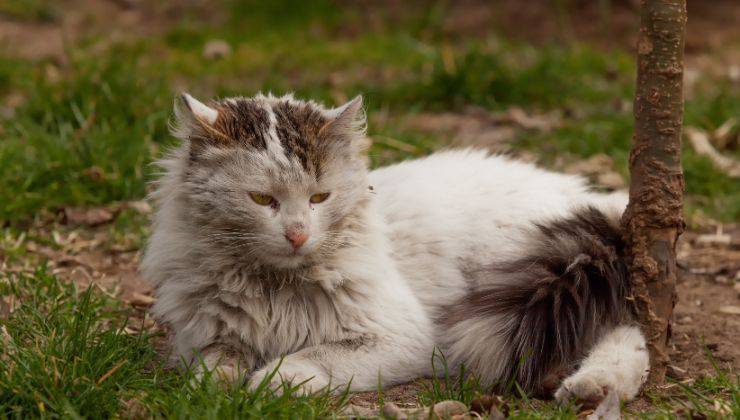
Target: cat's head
[[272, 179]]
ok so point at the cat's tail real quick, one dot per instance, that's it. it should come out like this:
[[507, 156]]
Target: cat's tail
[[536, 316]]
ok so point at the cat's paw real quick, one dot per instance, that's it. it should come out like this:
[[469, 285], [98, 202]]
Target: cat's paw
[[301, 378], [224, 371], [588, 388]]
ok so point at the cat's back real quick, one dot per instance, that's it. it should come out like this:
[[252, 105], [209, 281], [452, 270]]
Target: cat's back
[[455, 212], [451, 185]]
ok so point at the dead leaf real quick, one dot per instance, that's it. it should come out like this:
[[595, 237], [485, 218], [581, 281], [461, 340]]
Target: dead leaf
[[611, 180], [730, 309], [92, 216], [541, 122], [593, 165], [699, 140], [216, 49], [7, 306], [719, 238], [140, 299], [722, 135], [395, 144]]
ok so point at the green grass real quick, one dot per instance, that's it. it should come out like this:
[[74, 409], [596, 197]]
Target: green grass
[[87, 137], [29, 10], [66, 353]]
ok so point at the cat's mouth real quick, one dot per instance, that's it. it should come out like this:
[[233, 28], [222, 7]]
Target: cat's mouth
[[290, 259]]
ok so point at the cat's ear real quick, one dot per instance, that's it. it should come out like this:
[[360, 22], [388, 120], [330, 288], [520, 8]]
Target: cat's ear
[[348, 123], [195, 121], [197, 109], [349, 116]]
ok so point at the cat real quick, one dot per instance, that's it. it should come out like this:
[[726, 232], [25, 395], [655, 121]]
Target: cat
[[274, 248]]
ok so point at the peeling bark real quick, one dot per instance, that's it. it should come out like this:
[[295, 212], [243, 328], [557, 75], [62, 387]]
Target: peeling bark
[[654, 217]]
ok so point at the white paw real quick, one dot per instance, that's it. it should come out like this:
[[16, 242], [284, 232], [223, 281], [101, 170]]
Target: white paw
[[227, 373], [588, 388], [304, 376]]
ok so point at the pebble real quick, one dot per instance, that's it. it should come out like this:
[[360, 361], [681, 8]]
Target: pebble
[[392, 411], [449, 408], [140, 299]]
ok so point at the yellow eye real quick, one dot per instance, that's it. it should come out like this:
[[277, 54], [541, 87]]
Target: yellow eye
[[262, 199], [318, 198]]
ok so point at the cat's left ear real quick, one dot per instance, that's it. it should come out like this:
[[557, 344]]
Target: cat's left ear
[[348, 123]]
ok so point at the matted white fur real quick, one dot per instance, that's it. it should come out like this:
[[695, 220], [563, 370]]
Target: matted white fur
[[366, 312]]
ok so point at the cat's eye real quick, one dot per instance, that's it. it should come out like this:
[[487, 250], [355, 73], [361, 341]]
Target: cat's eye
[[262, 199], [318, 198]]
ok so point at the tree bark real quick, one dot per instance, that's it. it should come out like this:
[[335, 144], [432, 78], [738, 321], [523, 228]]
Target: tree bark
[[654, 217]]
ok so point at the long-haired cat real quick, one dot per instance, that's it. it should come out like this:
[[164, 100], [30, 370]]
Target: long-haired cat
[[272, 242]]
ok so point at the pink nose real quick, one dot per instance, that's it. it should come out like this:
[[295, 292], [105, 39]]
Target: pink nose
[[296, 238]]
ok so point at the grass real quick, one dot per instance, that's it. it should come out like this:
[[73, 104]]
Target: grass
[[67, 353], [84, 134]]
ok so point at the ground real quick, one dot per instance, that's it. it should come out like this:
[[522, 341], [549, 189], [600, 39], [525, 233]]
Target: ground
[[85, 95]]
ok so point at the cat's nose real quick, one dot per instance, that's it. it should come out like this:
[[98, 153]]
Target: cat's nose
[[296, 237]]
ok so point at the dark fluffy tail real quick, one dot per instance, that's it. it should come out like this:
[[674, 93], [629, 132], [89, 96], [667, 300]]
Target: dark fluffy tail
[[553, 303]]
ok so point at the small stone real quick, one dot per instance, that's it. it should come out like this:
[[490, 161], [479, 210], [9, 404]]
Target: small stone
[[730, 309], [685, 320], [216, 49], [448, 408], [392, 411], [358, 411]]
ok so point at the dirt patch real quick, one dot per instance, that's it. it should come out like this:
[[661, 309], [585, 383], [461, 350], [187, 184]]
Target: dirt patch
[[708, 287], [613, 23], [476, 127], [76, 20]]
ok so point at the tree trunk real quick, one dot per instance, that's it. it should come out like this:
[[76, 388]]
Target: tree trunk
[[654, 217]]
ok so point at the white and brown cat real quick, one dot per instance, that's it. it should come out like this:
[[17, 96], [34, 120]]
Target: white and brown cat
[[272, 239]]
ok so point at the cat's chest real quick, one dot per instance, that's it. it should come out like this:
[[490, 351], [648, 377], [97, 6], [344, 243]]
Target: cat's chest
[[283, 320]]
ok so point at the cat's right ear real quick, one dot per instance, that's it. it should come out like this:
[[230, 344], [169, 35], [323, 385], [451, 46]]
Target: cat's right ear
[[193, 118]]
